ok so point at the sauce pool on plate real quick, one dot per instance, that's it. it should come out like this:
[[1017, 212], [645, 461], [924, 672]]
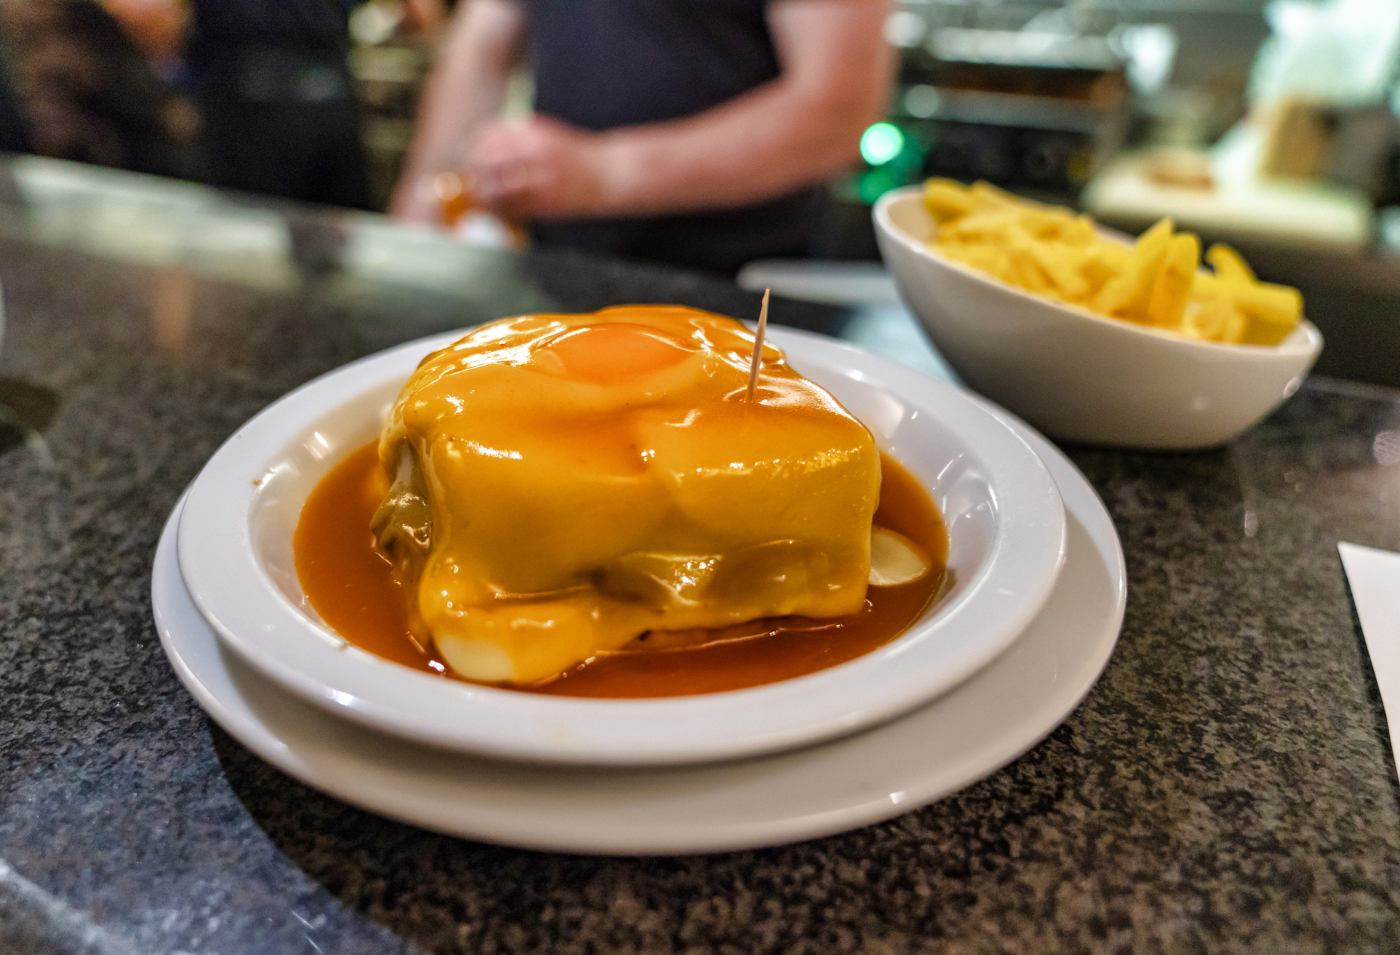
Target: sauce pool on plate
[[351, 585]]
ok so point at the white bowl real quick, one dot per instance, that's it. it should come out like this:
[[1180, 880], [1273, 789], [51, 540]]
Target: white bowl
[[1006, 528], [1076, 375]]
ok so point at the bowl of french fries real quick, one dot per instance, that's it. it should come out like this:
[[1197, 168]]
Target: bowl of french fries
[[1090, 335]]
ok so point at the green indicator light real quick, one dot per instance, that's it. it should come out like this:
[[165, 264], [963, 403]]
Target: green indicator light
[[880, 143]]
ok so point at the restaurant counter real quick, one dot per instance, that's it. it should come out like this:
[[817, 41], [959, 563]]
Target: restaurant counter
[[1226, 786]]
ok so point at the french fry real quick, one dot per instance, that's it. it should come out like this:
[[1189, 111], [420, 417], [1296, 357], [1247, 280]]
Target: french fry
[[946, 200], [1059, 267], [1158, 280], [982, 226], [1025, 271], [1270, 304], [1130, 293], [1171, 288], [1081, 231], [989, 195], [1099, 265], [1228, 264]]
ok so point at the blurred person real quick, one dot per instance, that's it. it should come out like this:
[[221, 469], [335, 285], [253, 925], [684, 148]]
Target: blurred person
[[423, 16], [158, 27], [695, 132], [76, 87], [277, 103], [14, 127]]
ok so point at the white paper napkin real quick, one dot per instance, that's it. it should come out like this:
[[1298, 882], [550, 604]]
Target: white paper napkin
[[1374, 576]]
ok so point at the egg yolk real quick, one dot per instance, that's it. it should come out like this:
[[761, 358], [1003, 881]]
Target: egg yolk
[[611, 352]]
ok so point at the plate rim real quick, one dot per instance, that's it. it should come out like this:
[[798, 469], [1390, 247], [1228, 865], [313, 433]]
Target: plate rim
[[521, 732], [264, 742]]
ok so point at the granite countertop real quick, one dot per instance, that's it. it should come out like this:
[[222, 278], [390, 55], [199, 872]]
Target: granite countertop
[[1227, 786]]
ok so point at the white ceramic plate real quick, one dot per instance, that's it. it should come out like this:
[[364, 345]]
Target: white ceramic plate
[[966, 734], [1006, 531]]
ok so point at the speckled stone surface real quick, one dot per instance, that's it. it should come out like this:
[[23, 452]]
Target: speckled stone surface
[[1227, 786]]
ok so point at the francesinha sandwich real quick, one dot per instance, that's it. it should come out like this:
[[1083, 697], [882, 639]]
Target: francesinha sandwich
[[562, 484]]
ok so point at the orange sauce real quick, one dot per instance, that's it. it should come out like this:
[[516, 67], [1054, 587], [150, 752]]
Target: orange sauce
[[350, 584]]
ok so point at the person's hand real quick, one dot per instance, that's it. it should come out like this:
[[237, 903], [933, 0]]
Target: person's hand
[[541, 168], [413, 203]]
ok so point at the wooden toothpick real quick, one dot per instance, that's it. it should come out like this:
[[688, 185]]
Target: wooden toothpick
[[758, 344]]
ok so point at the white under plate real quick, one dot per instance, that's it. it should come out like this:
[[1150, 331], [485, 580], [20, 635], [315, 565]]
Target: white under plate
[[963, 736], [1006, 531]]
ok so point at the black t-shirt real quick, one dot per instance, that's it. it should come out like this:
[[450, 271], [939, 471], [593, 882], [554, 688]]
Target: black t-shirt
[[601, 64], [303, 24]]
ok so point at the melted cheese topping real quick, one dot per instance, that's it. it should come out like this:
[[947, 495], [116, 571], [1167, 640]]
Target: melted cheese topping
[[564, 483]]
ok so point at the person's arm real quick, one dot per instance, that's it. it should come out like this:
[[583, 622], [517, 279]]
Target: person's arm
[[464, 91], [791, 132], [423, 16], [157, 27]]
